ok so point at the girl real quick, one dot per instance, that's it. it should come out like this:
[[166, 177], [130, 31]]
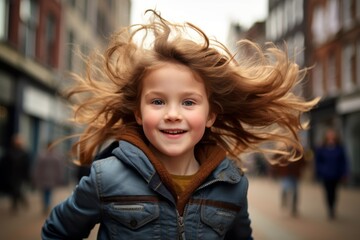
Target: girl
[[180, 111]]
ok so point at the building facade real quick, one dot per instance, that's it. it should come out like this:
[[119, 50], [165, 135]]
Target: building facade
[[327, 32], [334, 50], [29, 56], [38, 41]]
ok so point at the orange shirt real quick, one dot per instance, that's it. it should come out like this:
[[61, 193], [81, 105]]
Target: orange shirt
[[181, 182]]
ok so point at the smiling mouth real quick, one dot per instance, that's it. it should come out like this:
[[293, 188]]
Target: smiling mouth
[[173, 132]]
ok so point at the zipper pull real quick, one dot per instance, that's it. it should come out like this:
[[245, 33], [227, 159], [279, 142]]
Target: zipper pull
[[181, 227]]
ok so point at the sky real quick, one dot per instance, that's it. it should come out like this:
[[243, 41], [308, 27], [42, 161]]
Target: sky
[[212, 16]]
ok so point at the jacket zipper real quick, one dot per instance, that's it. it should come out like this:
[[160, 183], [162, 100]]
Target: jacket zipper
[[180, 219], [181, 227]]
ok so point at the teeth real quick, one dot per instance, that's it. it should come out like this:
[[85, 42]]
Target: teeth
[[173, 131]]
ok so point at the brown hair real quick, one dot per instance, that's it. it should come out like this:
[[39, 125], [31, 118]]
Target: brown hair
[[253, 97]]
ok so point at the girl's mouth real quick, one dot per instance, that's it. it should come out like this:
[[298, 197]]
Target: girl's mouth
[[173, 132]]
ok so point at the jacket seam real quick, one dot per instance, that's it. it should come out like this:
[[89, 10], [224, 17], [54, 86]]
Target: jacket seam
[[98, 184], [214, 203], [130, 198]]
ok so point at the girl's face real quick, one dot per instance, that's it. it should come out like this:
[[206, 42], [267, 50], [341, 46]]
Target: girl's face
[[174, 110]]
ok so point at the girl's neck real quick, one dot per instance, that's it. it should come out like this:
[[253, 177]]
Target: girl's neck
[[181, 165]]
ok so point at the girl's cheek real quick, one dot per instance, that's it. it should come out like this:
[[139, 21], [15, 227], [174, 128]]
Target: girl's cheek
[[198, 122], [150, 120]]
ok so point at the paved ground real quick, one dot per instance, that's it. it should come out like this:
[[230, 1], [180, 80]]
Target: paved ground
[[269, 221]]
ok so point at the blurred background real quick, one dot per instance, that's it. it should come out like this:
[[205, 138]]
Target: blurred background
[[39, 41]]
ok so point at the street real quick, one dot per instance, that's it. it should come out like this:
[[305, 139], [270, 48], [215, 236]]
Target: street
[[269, 221]]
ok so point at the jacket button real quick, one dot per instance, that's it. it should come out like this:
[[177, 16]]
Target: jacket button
[[133, 223], [233, 178], [221, 228]]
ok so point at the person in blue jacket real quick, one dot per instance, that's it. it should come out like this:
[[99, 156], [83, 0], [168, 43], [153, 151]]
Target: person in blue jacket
[[179, 110], [331, 166]]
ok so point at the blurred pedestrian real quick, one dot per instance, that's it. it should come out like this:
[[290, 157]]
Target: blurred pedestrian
[[16, 167], [261, 165], [48, 174], [289, 175], [331, 168]]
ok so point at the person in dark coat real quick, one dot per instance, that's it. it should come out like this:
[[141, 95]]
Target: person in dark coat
[[331, 168], [16, 164]]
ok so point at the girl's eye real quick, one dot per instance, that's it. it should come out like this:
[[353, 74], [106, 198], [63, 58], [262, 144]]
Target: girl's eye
[[157, 102], [188, 103]]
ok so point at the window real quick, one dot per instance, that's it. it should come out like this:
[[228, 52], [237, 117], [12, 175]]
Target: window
[[331, 75], [268, 30], [102, 25], [348, 60], [28, 25], [70, 51], [326, 21], [84, 49], [299, 45], [279, 22], [4, 19], [290, 13], [333, 17], [85, 10], [318, 24], [317, 79], [299, 8], [346, 13], [271, 26], [50, 35], [285, 17]]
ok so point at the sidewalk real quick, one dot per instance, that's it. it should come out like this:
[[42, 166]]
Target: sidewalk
[[269, 222], [27, 222]]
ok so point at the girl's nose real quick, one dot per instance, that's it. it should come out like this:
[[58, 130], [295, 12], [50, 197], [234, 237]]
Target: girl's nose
[[172, 114]]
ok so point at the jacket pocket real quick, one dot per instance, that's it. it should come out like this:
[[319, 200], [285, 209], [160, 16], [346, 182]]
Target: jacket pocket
[[218, 219], [134, 214]]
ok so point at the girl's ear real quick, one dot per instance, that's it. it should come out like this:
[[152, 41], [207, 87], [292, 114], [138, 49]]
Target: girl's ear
[[138, 117], [211, 119]]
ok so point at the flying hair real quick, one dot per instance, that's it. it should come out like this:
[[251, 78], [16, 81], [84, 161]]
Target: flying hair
[[253, 92]]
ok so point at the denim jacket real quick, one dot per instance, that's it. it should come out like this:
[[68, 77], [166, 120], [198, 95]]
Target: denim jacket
[[125, 194]]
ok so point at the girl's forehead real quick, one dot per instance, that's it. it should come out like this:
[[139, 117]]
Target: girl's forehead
[[172, 78], [171, 75], [169, 70]]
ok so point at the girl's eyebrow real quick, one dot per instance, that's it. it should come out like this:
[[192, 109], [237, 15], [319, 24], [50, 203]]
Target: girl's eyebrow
[[152, 92], [187, 93]]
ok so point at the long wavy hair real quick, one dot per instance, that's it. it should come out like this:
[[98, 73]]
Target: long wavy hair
[[253, 95]]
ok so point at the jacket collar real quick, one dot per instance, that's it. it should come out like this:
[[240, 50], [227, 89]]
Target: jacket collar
[[209, 156]]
